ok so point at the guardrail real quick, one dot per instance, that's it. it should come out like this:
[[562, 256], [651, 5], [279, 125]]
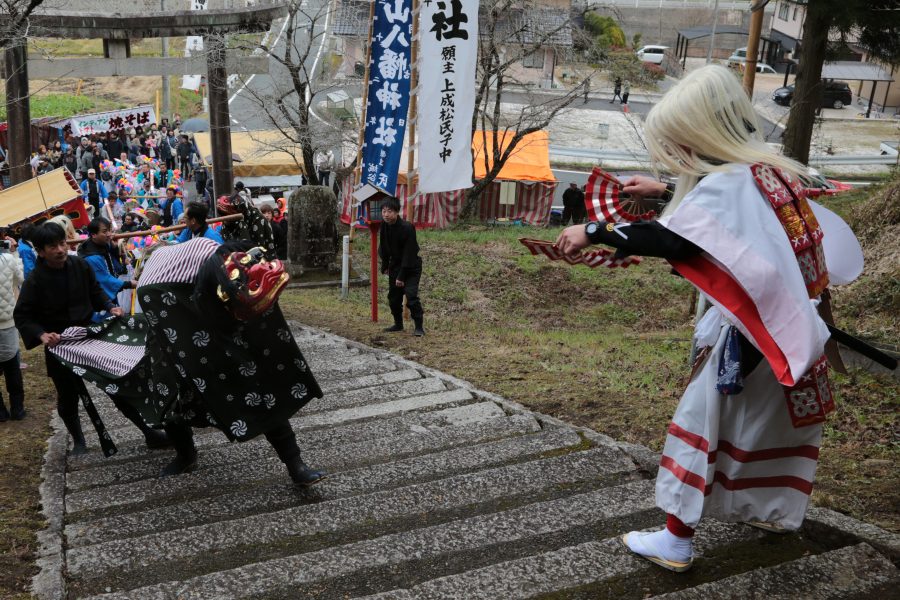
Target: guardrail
[[643, 157], [723, 4]]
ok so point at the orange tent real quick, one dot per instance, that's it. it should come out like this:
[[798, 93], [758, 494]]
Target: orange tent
[[529, 161]]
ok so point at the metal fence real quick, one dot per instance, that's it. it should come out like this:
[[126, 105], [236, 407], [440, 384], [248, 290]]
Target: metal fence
[[723, 4]]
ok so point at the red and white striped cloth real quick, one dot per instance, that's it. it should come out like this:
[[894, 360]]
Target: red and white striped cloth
[[603, 200], [596, 258], [533, 202]]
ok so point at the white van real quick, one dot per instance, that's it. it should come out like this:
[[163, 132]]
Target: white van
[[652, 54], [738, 57]]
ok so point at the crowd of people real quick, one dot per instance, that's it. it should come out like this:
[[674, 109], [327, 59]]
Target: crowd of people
[[162, 143]]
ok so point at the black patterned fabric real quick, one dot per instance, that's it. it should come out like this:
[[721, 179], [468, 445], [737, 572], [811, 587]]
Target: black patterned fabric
[[243, 378]]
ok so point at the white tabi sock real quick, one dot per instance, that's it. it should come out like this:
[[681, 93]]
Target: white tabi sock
[[661, 544]]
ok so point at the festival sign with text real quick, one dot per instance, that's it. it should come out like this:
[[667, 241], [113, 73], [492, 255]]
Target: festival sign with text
[[114, 120]]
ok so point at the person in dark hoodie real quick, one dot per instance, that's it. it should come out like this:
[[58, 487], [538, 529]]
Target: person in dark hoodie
[[101, 255], [63, 292], [400, 260]]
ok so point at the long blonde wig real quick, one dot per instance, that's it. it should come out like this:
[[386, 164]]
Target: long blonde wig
[[704, 123]]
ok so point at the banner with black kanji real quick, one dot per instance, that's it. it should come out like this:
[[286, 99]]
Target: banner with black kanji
[[387, 102], [448, 50]]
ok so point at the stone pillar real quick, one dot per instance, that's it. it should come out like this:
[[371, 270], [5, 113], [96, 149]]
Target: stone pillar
[[18, 112], [312, 229], [219, 116]]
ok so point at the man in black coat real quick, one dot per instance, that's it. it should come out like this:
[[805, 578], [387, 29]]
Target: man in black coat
[[400, 260], [573, 205], [63, 292]]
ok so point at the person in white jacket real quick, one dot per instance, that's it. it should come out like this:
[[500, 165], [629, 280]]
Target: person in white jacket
[[11, 278]]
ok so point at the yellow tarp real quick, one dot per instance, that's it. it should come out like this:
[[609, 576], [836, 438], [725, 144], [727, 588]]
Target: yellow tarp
[[37, 195], [262, 153], [529, 161]]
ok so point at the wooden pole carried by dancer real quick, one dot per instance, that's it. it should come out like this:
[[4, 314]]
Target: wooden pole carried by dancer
[[146, 232]]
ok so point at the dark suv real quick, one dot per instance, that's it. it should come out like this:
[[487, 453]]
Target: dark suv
[[835, 95]]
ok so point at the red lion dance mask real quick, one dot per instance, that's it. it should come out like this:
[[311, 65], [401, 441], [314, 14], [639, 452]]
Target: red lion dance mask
[[254, 283]]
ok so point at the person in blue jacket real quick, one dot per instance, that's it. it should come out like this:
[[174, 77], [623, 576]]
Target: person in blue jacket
[[93, 191], [26, 250], [195, 219], [99, 253], [170, 208]]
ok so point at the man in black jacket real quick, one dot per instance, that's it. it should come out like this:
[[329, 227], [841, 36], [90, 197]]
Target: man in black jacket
[[63, 292], [400, 260], [573, 205]]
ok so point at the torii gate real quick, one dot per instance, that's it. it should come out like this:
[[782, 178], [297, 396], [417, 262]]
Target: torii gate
[[117, 31]]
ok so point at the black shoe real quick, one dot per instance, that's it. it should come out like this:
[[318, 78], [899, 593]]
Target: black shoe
[[393, 328], [4, 414], [182, 463], [79, 449], [301, 473], [18, 414], [157, 439], [419, 332]]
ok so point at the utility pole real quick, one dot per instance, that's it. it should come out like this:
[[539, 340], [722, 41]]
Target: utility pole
[[18, 111], [166, 99], [756, 20], [712, 33]]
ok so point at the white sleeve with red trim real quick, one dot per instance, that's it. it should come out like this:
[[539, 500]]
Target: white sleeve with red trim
[[749, 270]]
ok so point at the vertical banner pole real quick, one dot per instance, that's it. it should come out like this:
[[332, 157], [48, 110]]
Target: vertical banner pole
[[345, 267], [373, 232], [413, 117], [357, 172]]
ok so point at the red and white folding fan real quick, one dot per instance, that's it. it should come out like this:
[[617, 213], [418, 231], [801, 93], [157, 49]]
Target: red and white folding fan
[[605, 201]]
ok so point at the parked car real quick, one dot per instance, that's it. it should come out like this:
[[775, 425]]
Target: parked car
[[738, 57], [764, 68], [652, 54], [836, 94]]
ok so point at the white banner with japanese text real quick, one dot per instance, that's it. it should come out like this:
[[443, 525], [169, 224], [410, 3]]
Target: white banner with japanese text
[[448, 49], [193, 45], [113, 120]]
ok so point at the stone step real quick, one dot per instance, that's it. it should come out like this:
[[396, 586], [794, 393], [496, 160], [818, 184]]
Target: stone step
[[131, 445], [356, 366], [850, 572], [364, 381], [216, 481], [341, 458], [564, 569], [359, 397], [394, 510], [279, 496], [483, 537], [120, 428]]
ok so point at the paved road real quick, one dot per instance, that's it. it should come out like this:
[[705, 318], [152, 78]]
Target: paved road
[[246, 112]]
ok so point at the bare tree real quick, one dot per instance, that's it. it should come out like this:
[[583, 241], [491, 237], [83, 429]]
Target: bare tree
[[874, 23], [298, 84], [512, 32], [14, 16]]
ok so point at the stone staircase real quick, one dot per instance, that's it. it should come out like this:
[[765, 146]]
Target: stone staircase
[[437, 490]]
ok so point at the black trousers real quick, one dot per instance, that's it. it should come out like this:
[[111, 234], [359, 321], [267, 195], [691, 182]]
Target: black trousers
[[576, 211], [411, 291], [12, 373], [69, 389]]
